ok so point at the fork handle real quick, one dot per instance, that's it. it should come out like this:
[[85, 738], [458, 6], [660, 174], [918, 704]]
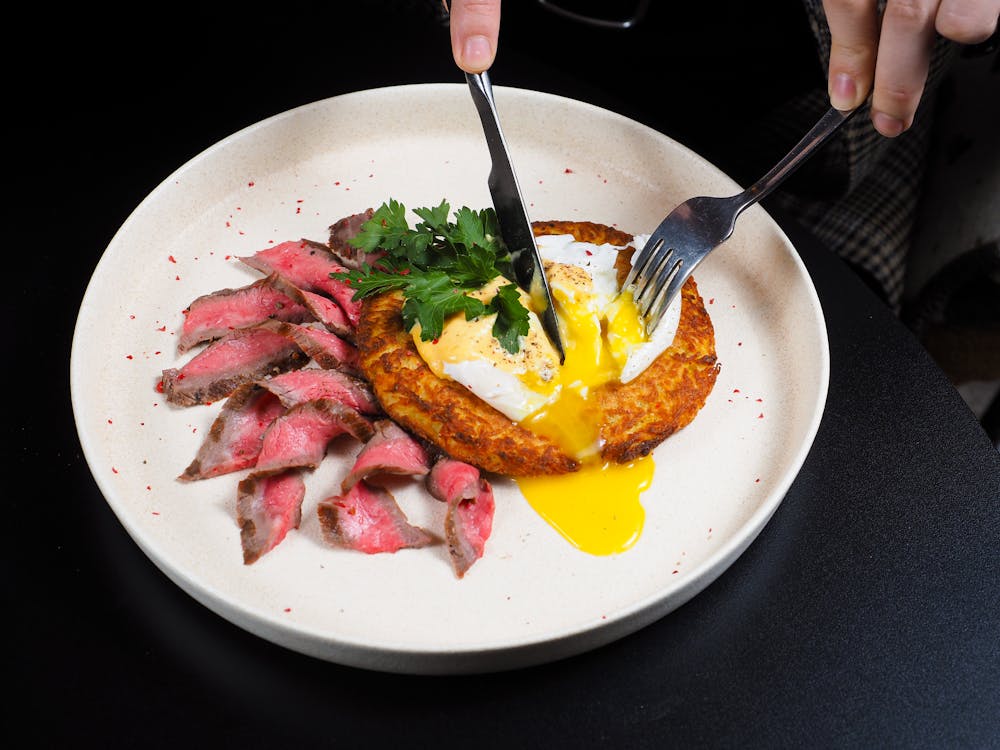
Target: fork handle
[[828, 124]]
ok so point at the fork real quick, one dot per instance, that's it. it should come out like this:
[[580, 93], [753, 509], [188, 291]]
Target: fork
[[696, 227]]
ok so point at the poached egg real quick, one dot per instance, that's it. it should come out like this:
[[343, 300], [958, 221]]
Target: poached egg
[[597, 508]]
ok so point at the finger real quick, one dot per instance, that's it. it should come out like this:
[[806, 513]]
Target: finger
[[967, 22], [475, 28], [853, 45], [904, 55]]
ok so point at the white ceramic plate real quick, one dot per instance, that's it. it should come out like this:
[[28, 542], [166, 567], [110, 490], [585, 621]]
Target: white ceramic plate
[[533, 597]]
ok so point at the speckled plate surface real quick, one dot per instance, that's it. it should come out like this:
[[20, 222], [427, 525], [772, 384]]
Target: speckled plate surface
[[533, 597]]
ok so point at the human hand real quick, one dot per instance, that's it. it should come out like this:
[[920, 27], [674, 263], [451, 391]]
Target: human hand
[[890, 56], [475, 28]]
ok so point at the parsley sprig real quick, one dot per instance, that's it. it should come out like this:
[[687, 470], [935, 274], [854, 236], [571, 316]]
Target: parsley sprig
[[435, 264]]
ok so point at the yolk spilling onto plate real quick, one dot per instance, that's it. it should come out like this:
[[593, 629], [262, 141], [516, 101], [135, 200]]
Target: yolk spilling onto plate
[[597, 508]]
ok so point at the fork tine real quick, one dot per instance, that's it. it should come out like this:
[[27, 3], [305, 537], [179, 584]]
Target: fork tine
[[646, 268], [667, 292], [640, 263], [666, 266]]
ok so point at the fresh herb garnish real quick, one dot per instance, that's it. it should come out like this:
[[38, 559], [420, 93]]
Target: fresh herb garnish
[[435, 264]]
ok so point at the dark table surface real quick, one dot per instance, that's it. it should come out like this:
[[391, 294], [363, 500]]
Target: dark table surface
[[866, 614]]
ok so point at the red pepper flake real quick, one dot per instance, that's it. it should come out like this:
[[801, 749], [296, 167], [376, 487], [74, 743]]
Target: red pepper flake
[[132, 316], [540, 182], [567, 171], [162, 328], [712, 301], [298, 210], [128, 356], [110, 422], [760, 416], [336, 182], [434, 341], [228, 225], [177, 278], [757, 480], [736, 390], [588, 252], [171, 258], [760, 401], [227, 257], [159, 387], [114, 470], [288, 609], [300, 200], [250, 184], [675, 572], [739, 343]]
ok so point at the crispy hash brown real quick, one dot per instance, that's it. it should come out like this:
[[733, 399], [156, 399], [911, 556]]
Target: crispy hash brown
[[636, 416]]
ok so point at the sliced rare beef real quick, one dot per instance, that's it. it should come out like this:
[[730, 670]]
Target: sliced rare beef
[[368, 518], [391, 450], [450, 479], [268, 506], [299, 438], [241, 356], [469, 519], [467, 526], [234, 441], [213, 315], [308, 265], [311, 383], [327, 349], [322, 308], [346, 229]]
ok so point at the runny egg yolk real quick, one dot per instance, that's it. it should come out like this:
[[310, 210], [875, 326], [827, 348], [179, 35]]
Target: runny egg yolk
[[597, 508]]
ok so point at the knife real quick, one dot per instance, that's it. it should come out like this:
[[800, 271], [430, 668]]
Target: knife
[[509, 206]]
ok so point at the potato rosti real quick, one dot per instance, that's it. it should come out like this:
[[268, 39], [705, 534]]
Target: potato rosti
[[634, 417]]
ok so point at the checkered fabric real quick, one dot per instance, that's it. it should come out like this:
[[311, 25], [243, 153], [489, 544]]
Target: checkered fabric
[[868, 220]]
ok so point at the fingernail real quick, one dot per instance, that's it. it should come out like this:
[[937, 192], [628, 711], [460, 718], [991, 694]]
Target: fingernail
[[476, 52], [888, 125], [843, 92]]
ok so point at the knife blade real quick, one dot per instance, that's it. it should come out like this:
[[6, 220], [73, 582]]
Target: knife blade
[[511, 214]]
